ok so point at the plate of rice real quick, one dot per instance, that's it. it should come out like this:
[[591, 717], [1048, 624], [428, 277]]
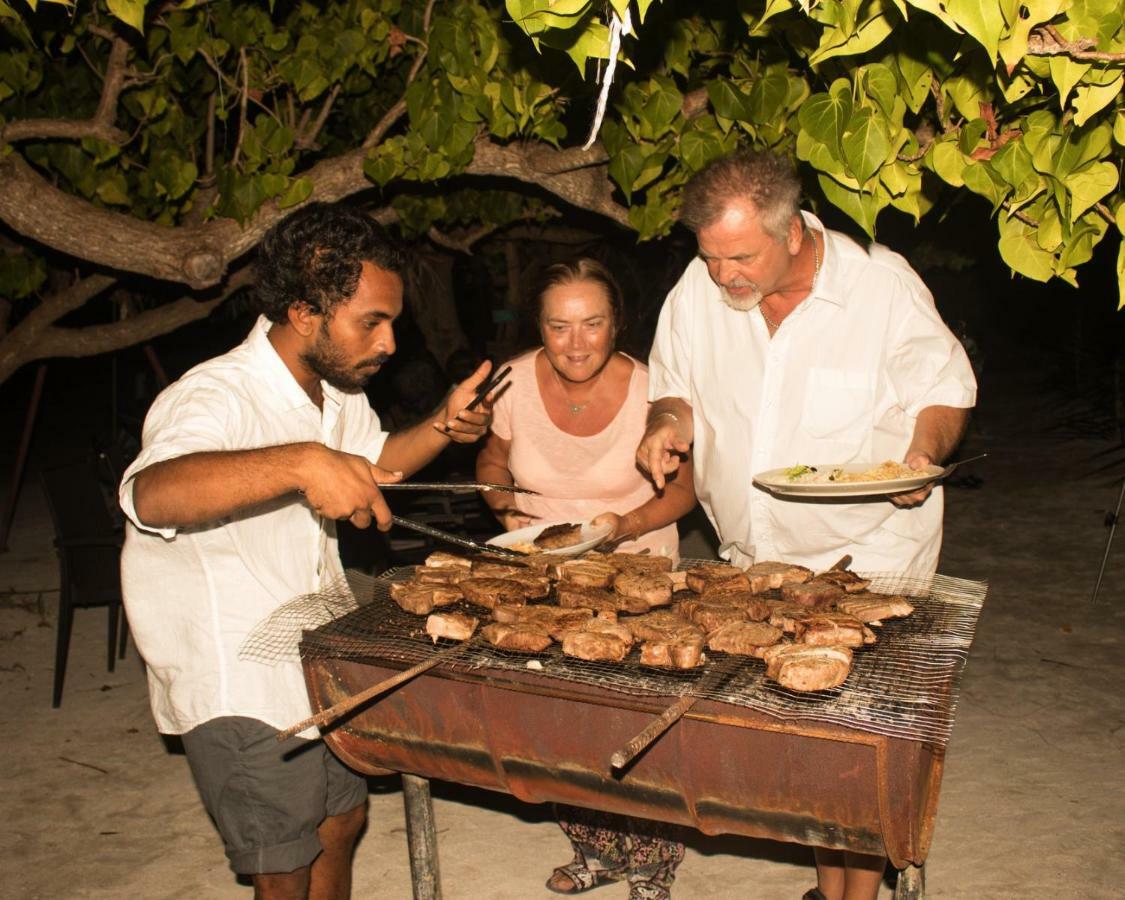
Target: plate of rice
[[847, 480]]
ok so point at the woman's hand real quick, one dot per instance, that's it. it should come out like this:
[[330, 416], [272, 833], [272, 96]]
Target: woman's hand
[[512, 518], [625, 528]]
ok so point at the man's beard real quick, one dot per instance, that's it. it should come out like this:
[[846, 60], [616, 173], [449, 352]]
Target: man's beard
[[327, 361], [742, 304]]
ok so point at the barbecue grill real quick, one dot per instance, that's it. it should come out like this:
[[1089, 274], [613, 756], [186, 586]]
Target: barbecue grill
[[858, 767]]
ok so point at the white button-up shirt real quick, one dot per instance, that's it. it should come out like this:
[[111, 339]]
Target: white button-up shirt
[[843, 380], [193, 595]]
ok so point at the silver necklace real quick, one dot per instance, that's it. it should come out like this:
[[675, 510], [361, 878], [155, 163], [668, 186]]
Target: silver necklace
[[816, 272], [576, 408]]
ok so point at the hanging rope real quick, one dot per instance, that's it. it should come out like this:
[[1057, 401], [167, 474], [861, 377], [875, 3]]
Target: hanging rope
[[617, 27]]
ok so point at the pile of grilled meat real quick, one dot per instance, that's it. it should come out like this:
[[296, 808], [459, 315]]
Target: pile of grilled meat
[[602, 605]]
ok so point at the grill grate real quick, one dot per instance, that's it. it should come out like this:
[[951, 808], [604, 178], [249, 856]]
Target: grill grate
[[904, 686]]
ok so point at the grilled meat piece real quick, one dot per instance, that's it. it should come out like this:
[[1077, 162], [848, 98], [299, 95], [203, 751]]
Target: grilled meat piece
[[802, 668], [654, 589], [674, 654], [538, 586], [488, 592], [421, 599], [453, 625], [743, 638], [643, 563], [709, 616], [440, 559], [597, 599], [832, 629], [551, 619], [516, 637], [784, 614], [849, 581], [767, 575], [555, 537], [441, 574], [594, 646], [678, 579], [702, 577], [662, 625], [815, 593], [490, 568], [755, 607], [871, 608], [585, 572]]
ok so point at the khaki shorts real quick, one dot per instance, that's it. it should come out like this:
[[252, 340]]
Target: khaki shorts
[[268, 799]]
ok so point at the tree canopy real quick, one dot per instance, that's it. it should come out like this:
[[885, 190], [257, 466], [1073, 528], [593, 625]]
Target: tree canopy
[[146, 146]]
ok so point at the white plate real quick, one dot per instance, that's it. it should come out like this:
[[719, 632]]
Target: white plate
[[591, 537], [778, 482]]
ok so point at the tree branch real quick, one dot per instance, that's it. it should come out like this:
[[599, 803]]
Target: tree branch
[[99, 126], [305, 140], [1045, 40], [395, 113]]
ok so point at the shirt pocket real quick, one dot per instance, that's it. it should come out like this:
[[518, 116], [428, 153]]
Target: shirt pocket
[[838, 405]]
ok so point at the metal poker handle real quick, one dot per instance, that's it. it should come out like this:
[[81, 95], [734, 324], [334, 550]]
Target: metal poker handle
[[454, 539], [455, 487], [345, 706], [652, 731]]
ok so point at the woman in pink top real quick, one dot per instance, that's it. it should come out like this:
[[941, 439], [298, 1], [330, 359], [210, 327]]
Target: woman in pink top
[[569, 424], [568, 427]]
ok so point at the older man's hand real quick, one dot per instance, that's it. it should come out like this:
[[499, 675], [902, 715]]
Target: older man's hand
[[916, 459], [663, 448]]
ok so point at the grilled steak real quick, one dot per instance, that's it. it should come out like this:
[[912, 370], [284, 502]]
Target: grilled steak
[[678, 579], [821, 594], [871, 608], [802, 668], [635, 562], [743, 638], [516, 637], [487, 592], [755, 608], [538, 586], [767, 575], [832, 629], [597, 599], [784, 614], [440, 559], [490, 568], [662, 625], [594, 646], [702, 577], [555, 537], [453, 625], [709, 616], [849, 581], [674, 654], [440, 574], [654, 589], [585, 573], [421, 599], [551, 619]]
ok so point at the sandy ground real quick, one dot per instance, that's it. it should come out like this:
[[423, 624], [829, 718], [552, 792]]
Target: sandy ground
[[95, 805]]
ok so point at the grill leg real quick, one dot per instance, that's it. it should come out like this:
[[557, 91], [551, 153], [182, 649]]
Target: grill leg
[[911, 883], [421, 838]]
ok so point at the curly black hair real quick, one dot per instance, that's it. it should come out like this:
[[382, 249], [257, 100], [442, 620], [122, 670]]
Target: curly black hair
[[315, 256]]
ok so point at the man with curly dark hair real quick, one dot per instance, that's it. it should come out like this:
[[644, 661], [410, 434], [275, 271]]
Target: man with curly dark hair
[[247, 462]]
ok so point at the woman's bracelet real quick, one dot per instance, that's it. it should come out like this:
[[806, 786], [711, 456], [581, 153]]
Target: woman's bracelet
[[669, 415]]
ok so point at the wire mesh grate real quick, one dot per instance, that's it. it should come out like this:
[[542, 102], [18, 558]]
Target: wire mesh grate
[[904, 686]]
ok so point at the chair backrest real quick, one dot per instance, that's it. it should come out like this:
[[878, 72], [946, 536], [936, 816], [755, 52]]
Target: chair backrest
[[77, 500]]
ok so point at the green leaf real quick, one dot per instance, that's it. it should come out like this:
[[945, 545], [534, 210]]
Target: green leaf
[[727, 100], [825, 116], [1012, 162], [1066, 73], [1088, 186], [298, 191], [1079, 249], [1121, 257], [1021, 251], [131, 12], [915, 77], [113, 190], [698, 148], [625, 167], [865, 144], [980, 179], [971, 135], [949, 162], [881, 19], [768, 95], [861, 206], [880, 84], [663, 104], [981, 19], [1092, 99], [1021, 16]]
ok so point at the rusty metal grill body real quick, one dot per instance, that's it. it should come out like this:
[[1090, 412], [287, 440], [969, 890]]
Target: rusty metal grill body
[[723, 769]]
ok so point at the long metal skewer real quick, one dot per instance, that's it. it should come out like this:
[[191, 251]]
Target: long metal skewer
[[454, 539]]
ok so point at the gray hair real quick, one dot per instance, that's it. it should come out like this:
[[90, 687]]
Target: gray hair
[[765, 179]]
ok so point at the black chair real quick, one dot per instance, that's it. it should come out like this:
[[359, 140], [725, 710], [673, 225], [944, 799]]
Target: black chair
[[88, 542]]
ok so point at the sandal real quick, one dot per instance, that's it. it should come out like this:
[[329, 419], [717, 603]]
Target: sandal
[[646, 890], [581, 878], [813, 894]]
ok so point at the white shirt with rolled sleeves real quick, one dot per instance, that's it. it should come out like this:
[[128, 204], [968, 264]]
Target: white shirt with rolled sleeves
[[193, 595], [843, 380]]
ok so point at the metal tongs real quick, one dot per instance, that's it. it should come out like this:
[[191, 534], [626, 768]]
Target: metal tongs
[[456, 539], [455, 487]]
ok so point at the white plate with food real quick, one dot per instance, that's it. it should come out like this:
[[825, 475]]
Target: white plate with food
[[558, 538], [847, 480]]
